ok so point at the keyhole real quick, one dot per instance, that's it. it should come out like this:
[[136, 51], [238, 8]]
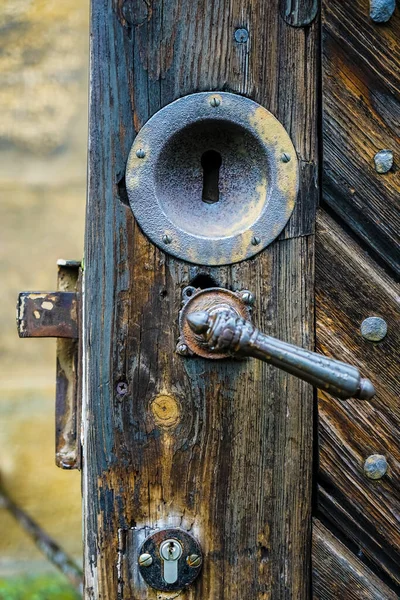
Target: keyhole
[[211, 162]]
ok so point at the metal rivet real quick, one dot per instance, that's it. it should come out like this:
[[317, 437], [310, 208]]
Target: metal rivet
[[382, 10], [182, 349], [145, 560], [383, 161], [215, 102], [122, 388], [375, 466], [167, 239], [140, 153], [247, 297], [194, 561], [373, 329], [241, 35], [255, 241], [285, 157]]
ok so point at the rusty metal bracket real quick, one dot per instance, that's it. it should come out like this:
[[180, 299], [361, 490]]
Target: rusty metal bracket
[[57, 314], [212, 178]]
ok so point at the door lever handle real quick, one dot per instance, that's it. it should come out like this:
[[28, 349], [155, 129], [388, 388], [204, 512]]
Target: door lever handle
[[223, 331]]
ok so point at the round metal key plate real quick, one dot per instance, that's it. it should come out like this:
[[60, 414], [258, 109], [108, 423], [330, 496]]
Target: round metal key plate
[[189, 561], [257, 178]]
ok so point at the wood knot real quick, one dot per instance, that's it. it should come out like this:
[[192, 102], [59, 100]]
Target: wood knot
[[166, 411]]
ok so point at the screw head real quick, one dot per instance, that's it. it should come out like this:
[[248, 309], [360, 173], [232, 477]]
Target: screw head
[[145, 560], [375, 466], [247, 297], [373, 329], [182, 349], [255, 241], [194, 561], [140, 153], [285, 158], [122, 388], [167, 239], [215, 102], [241, 35]]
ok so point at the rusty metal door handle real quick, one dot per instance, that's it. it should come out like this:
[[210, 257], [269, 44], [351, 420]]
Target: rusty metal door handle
[[225, 332]]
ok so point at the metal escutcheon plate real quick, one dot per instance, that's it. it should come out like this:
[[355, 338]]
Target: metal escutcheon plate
[[256, 178], [189, 563]]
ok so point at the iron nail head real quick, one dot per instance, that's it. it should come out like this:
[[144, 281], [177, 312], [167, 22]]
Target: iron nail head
[[145, 560], [140, 153], [374, 329], [375, 466]]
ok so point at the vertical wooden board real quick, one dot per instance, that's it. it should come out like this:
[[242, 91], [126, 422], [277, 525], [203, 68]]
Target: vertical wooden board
[[229, 454], [361, 116]]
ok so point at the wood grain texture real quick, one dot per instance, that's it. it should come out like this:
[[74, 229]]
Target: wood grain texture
[[230, 458], [338, 573], [361, 115], [349, 288], [299, 13]]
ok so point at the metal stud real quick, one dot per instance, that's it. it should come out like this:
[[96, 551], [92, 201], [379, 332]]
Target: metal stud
[[140, 153], [373, 329], [285, 158], [255, 241], [215, 102], [383, 161], [375, 466]]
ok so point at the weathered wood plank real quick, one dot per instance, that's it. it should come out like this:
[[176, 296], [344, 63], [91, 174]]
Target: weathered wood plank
[[349, 288], [338, 573], [361, 115], [230, 458]]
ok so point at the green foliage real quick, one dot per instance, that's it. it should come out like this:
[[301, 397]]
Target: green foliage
[[43, 587]]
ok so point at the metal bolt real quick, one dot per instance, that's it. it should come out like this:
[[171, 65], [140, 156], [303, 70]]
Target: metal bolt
[[255, 241], [383, 161], [122, 388], [285, 157], [241, 35], [248, 297], [375, 466], [182, 349], [167, 239], [140, 153], [145, 560], [215, 102], [373, 329], [194, 561]]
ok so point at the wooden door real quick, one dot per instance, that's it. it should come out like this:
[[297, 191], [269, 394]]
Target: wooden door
[[220, 449], [357, 525]]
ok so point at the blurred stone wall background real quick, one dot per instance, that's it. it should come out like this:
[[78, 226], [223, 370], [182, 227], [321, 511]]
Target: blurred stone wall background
[[43, 128]]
